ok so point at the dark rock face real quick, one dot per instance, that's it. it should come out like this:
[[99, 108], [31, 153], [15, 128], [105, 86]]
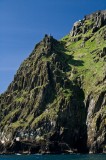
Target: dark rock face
[[52, 105], [103, 52], [95, 123], [28, 147], [47, 92], [99, 18]]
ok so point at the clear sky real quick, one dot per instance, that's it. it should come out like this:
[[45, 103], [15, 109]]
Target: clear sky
[[23, 23]]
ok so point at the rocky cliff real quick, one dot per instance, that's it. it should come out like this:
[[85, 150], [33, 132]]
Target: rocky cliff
[[57, 100]]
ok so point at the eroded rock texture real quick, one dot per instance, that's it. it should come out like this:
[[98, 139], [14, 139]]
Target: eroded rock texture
[[57, 100]]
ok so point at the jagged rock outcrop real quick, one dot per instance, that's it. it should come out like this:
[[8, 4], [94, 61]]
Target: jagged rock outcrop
[[93, 21], [57, 100]]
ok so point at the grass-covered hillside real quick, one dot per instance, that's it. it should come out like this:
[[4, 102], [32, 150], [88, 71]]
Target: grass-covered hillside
[[58, 95]]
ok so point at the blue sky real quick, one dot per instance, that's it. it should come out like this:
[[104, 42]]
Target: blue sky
[[23, 23]]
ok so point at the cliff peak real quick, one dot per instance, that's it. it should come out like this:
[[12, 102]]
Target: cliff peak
[[57, 100], [92, 22]]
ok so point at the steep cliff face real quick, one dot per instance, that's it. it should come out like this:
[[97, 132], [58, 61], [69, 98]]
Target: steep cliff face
[[58, 96], [90, 35]]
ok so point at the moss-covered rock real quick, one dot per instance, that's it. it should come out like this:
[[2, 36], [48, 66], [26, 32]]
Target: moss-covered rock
[[58, 95]]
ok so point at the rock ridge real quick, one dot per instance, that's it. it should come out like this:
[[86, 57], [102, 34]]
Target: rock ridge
[[57, 100]]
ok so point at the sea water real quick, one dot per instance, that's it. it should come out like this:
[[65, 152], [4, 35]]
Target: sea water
[[54, 157]]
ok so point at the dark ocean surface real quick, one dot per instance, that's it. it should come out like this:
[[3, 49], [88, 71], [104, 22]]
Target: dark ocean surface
[[54, 157]]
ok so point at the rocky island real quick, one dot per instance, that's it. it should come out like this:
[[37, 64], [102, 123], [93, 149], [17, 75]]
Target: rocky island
[[57, 100]]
